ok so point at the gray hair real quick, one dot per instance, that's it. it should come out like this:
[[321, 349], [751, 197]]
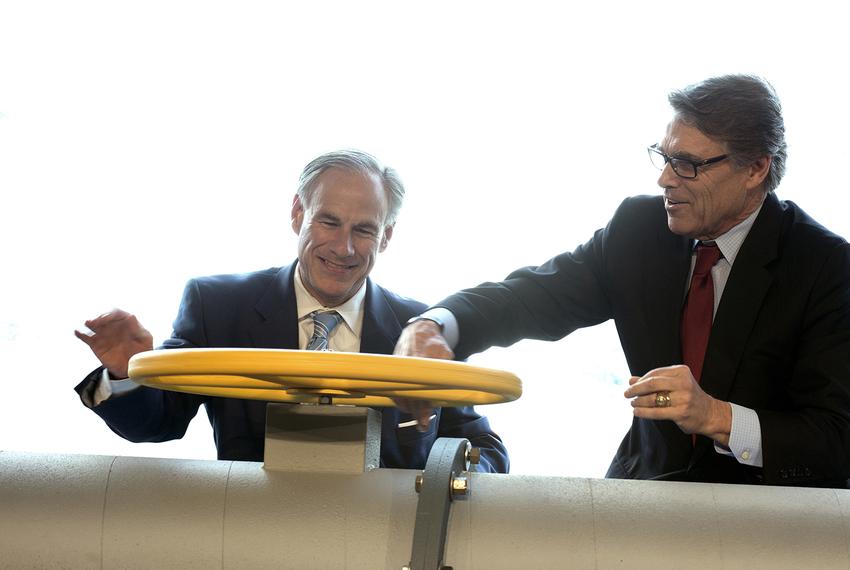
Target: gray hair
[[742, 111], [357, 161]]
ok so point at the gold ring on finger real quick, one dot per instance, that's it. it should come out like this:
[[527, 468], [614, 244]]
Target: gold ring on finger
[[662, 399]]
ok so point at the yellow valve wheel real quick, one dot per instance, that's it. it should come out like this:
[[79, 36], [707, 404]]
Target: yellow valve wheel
[[302, 376]]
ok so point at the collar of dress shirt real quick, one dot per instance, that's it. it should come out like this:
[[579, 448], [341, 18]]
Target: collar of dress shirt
[[351, 311], [730, 242]]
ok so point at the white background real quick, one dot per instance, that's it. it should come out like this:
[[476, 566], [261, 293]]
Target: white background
[[143, 143]]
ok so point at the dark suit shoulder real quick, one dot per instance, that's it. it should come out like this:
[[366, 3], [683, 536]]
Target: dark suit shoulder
[[228, 284], [403, 307], [637, 215], [642, 204], [805, 246], [221, 310], [803, 227]]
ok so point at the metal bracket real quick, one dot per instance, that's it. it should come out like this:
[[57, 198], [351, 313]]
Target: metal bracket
[[439, 484], [322, 439]]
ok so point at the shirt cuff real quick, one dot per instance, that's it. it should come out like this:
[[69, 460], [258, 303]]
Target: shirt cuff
[[107, 388], [745, 437], [450, 329]]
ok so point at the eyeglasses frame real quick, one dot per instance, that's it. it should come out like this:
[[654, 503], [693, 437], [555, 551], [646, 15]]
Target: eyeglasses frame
[[669, 160]]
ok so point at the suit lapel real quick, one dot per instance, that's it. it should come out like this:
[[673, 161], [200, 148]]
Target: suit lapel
[[277, 325], [380, 324], [665, 284], [742, 299]]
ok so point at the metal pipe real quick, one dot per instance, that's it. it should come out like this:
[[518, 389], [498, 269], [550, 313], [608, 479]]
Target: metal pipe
[[72, 511]]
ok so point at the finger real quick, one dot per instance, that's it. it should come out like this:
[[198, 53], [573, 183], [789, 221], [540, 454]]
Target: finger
[[421, 410], [666, 370], [633, 379], [650, 384], [86, 337], [441, 351], [643, 386], [650, 401], [108, 317], [403, 344], [423, 416]]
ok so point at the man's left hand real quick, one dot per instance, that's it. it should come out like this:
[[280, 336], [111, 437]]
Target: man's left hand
[[693, 410]]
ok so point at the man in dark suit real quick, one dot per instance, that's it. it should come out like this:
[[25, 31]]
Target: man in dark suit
[[344, 213], [732, 307]]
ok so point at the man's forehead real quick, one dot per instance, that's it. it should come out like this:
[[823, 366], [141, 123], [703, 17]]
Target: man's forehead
[[683, 139], [343, 184], [348, 205]]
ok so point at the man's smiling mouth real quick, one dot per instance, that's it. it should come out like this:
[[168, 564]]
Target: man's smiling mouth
[[337, 266], [672, 202]]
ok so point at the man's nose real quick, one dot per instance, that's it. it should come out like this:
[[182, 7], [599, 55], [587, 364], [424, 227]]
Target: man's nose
[[668, 177], [343, 244]]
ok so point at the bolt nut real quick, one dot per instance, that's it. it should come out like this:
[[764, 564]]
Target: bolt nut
[[460, 486], [419, 480], [475, 455]]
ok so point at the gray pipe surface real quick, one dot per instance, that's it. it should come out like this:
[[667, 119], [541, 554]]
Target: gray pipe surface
[[72, 511]]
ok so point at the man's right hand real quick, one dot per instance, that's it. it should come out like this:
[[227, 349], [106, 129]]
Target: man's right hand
[[114, 337], [423, 338]]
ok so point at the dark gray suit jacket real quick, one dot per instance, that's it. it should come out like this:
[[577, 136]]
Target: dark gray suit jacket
[[258, 310]]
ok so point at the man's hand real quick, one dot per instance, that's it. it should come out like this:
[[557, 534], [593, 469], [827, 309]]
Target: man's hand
[[422, 338], [693, 410], [421, 410], [114, 337]]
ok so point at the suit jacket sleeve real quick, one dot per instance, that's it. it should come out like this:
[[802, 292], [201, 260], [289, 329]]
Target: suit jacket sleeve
[[151, 415], [544, 303]]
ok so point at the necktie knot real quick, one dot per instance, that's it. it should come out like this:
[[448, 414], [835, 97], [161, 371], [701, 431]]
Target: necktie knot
[[708, 254], [323, 323]]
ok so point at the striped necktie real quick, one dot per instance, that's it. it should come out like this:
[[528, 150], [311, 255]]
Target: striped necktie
[[323, 323]]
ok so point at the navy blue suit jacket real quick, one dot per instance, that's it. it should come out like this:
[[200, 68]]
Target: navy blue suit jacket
[[258, 310]]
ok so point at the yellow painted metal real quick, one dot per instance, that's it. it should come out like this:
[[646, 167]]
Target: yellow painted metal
[[307, 376]]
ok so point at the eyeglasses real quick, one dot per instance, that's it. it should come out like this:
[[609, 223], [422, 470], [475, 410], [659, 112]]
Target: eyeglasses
[[681, 166]]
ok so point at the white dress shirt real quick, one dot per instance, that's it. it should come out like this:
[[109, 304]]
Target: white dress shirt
[[346, 335]]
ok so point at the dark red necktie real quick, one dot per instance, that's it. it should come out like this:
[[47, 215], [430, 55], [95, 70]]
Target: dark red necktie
[[699, 309]]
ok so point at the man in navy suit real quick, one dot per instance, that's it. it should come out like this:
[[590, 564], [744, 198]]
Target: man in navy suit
[[755, 390], [344, 213]]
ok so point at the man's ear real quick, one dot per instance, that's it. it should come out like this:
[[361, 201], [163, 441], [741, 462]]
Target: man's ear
[[385, 240], [758, 171], [297, 214]]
